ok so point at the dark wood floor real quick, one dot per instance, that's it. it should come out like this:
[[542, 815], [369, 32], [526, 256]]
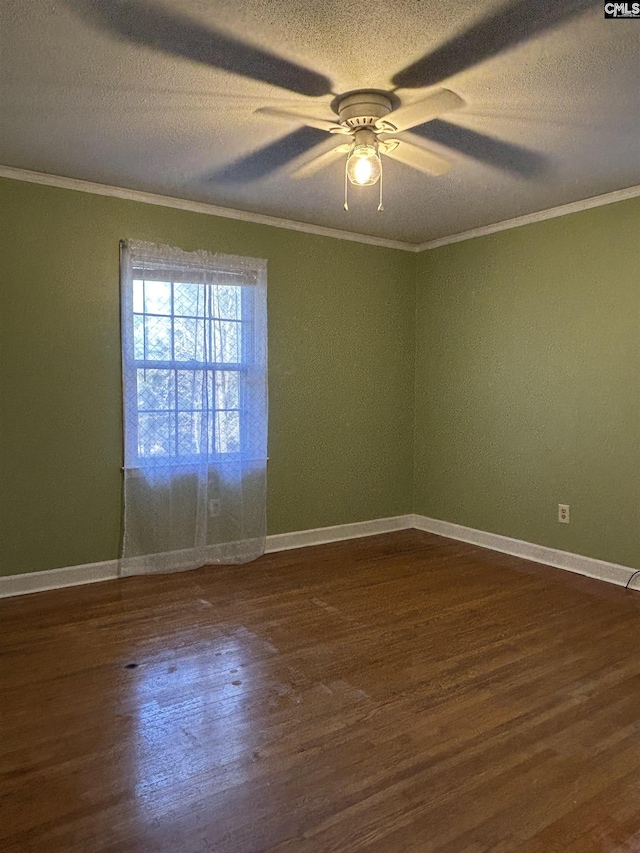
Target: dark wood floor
[[393, 694]]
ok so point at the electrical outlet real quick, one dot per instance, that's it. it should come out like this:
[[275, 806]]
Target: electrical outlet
[[563, 513], [215, 507]]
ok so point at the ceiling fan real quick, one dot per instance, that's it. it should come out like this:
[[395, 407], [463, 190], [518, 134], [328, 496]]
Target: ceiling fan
[[369, 118]]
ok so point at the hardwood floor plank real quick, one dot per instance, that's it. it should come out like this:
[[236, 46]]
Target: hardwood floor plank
[[392, 694]]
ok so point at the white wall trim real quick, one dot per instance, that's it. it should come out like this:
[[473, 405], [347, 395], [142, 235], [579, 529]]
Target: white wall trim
[[599, 569], [322, 535], [108, 570], [529, 218], [93, 572], [197, 207], [78, 185], [58, 578]]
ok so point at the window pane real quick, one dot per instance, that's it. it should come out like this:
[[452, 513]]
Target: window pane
[[181, 407], [191, 441], [226, 341], [157, 297], [190, 389], [189, 300], [138, 296], [155, 389], [155, 434], [227, 389], [158, 334], [189, 340], [227, 432], [138, 336], [227, 302]]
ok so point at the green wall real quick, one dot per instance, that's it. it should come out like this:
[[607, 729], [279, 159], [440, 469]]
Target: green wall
[[341, 363], [495, 377], [528, 382]]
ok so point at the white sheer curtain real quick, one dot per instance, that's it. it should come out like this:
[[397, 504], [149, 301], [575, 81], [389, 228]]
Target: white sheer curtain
[[194, 355]]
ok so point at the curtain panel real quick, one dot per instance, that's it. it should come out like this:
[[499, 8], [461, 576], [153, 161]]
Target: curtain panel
[[194, 357]]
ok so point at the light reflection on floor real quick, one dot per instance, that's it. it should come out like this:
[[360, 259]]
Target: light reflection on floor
[[177, 743]]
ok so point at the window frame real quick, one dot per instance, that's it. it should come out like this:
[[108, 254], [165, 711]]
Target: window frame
[[131, 365]]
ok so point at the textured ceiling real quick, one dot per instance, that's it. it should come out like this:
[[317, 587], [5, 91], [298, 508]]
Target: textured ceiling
[[125, 92]]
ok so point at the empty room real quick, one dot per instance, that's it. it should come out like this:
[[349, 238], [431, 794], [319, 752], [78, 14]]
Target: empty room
[[319, 426]]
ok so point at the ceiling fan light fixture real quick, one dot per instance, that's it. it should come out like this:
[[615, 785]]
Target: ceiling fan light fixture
[[364, 166], [364, 116]]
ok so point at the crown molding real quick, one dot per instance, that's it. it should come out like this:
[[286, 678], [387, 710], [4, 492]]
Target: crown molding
[[197, 207], [78, 185], [529, 218]]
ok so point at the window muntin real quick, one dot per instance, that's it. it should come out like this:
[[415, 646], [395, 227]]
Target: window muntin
[[191, 351]]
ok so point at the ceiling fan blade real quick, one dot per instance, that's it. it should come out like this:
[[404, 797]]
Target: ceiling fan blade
[[309, 121], [321, 161], [155, 26], [487, 149], [410, 154], [423, 110], [516, 22], [261, 163]]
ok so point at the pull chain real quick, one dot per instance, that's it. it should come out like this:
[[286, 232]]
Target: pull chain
[[380, 206], [346, 187]]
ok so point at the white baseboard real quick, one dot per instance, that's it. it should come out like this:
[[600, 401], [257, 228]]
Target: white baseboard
[[108, 570], [599, 569], [58, 578], [323, 535]]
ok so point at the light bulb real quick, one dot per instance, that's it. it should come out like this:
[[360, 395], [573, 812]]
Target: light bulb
[[364, 166], [363, 170]]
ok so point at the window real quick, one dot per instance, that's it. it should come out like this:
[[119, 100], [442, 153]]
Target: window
[[188, 360], [194, 357], [193, 348]]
